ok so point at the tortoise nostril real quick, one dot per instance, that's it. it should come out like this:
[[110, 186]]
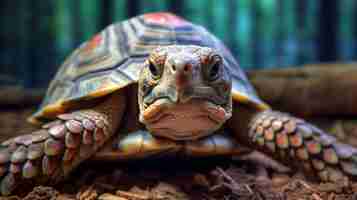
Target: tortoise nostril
[[187, 68], [173, 68]]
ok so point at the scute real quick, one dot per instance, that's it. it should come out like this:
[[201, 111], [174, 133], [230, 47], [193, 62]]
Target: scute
[[113, 58]]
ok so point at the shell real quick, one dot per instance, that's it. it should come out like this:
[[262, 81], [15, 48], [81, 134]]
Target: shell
[[112, 60]]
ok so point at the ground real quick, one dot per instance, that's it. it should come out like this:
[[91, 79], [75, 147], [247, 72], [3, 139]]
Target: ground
[[210, 179]]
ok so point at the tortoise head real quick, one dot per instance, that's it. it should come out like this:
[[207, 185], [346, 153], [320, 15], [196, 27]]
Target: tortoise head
[[184, 92]]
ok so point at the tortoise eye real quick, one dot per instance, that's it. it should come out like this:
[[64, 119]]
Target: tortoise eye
[[154, 70], [213, 71]]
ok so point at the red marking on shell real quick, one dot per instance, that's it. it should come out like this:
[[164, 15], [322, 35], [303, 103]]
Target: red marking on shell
[[167, 19], [93, 43]]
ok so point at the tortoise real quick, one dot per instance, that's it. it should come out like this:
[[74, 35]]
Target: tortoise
[[157, 84]]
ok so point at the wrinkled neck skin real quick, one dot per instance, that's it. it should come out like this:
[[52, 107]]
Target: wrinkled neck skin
[[184, 92]]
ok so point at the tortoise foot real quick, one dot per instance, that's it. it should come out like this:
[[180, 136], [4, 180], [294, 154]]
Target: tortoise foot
[[298, 143], [51, 152]]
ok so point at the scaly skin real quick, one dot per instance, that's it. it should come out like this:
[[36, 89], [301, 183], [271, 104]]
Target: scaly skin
[[179, 87], [174, 72], [55, 150], [296, 142]]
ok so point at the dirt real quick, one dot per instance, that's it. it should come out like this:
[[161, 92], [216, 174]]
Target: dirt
[[173, 178]]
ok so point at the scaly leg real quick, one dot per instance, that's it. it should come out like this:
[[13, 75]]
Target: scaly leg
[[293, 140], [55, 150]]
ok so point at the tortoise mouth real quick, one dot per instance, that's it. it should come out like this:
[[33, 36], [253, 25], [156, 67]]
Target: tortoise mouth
[[183, 121]]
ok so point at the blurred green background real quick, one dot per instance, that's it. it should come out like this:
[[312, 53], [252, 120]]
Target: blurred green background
[[37, 35]]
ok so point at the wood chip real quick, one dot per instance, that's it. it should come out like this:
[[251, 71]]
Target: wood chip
[[130, 195], [87, 193], [107, 196]]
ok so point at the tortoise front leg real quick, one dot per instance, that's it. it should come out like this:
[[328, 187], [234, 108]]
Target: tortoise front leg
[[55, 150], [294, 140]]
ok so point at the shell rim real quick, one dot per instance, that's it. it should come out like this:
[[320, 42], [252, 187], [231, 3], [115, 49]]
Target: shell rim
[[61, 106]]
